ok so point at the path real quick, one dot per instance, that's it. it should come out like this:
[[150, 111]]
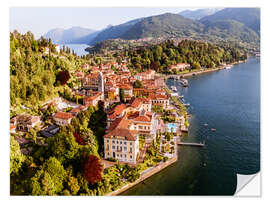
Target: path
[[143, 151]]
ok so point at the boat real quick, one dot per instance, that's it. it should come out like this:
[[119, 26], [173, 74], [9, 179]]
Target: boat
[[174, 88], [187, 105], [181, 96], [205, 124], [184, 82], [213, 129], [228, 67]]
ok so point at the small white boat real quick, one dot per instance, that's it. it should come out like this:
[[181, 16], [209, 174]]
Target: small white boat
[[228, 67], [184, 82], [205, 124], [174, 88], [187, 105]]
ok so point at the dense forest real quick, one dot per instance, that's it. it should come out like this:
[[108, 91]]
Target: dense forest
[[198, 54], [35, 74]]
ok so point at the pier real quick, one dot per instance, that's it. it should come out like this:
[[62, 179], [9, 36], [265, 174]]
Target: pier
[[191, 144]]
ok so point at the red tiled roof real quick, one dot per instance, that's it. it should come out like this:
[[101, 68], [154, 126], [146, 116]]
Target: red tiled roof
[[121, 129], [116, 111], [142, 119], [63, 115], [158, 97], [136, 103], [123, 133]]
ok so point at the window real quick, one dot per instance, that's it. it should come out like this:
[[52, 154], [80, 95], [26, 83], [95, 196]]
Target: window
[[120, 142], [125, 142], [125, 156], [125, 148], [121, 155], [113, 147], [113, 142], [108, 154], [130, 143], [130, 156], [107, 141], [107, 147], [130, 150], [117, 141]]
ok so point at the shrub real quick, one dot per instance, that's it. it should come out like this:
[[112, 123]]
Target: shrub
[[165, 159]]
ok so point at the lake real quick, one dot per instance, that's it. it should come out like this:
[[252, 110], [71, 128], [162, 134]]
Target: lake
[[78, 48], [229, 101]]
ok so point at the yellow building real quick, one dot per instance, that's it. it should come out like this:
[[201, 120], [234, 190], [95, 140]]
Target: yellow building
[[122, 141]]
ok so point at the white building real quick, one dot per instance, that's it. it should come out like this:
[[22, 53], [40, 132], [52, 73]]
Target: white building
[[63, 118]]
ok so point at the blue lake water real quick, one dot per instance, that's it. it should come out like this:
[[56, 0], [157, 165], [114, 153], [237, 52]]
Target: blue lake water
[[78, 48], [229, 101]]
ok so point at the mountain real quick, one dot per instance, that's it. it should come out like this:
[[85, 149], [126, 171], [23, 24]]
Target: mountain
[[250, 17], [199, 13], [167, 24], [60, 35], [55, 34], [231, 24], [85, 39], [230, 30], [113, 32]]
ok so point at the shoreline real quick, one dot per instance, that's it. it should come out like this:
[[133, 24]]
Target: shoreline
[[154, 170], [184, 75]]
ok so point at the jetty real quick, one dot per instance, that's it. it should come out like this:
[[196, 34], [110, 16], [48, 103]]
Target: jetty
[[191, 144], [179, 142]]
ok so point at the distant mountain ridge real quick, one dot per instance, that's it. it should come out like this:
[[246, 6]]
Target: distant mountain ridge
[[70, 35], [167, 24], [199, 13], [239, 24], [113, 32], [250, 17], [230, 24]]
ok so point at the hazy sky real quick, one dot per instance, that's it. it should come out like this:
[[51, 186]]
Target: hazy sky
[[40, 20]]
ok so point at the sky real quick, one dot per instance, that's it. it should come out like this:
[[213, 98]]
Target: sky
[[40, 20]]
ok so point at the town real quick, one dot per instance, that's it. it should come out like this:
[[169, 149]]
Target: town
[[137, 107], [109, 121]]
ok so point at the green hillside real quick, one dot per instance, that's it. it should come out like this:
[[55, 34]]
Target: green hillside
[[163, 25]]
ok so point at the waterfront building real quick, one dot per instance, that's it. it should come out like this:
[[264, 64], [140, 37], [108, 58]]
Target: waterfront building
[[121, 141], [180, 66], [160, 99]]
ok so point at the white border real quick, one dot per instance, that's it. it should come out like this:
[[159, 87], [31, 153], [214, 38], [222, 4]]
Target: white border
[[265, 101]]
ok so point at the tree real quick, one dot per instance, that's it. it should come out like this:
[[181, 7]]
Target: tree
[[63, 77], [16, 157], [138, 84], [122, 95], [63, 146], [48, 180], [92, 169], [154, 65], [73, 185], [196, 65]]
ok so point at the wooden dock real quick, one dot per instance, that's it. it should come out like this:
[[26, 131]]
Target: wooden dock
[[191, 144]]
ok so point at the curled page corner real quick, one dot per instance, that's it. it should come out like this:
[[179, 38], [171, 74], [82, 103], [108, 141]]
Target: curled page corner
[[248, 185]]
